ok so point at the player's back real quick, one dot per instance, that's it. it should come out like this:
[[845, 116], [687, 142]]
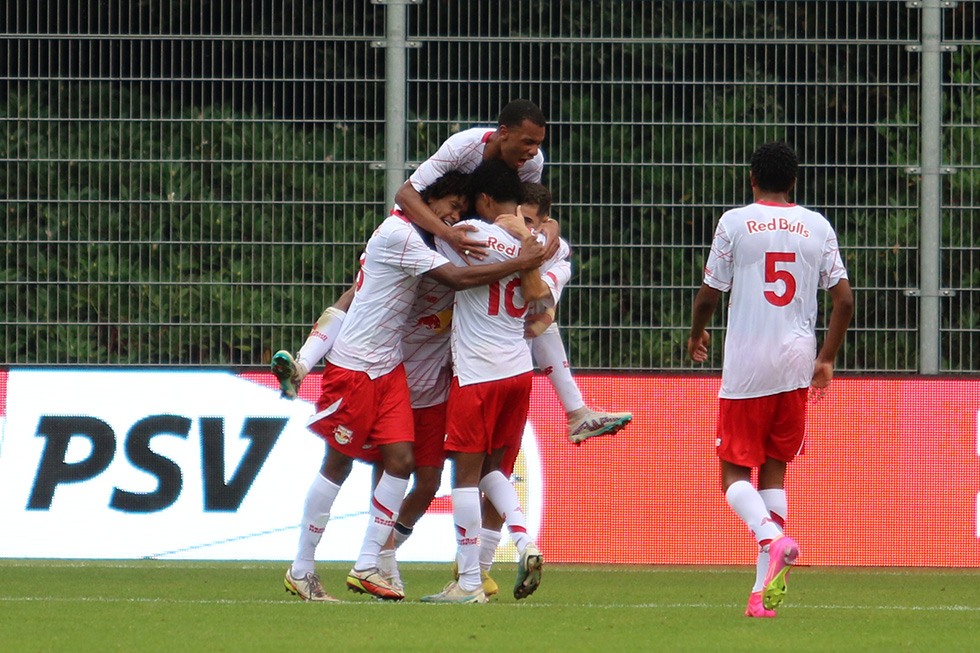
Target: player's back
[[393, 260], [778, 257], [488, 321]]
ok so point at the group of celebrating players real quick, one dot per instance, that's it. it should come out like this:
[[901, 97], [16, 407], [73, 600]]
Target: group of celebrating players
[[430, 355]]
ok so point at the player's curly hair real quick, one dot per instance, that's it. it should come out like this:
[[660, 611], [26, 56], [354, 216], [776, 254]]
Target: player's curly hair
[[774, 166], [517, 111], [453, 182], [496, 179], [536, 194]]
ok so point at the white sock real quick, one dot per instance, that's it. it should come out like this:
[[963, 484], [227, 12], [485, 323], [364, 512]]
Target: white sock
[[467, 517], [548, 351], [503, 496], [316, 513], [387, 499], [775, 500], [489, 541], [749, 506], [321, 339]]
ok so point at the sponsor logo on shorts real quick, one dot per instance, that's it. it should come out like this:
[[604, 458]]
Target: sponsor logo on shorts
[[717, 442], [342, 434]]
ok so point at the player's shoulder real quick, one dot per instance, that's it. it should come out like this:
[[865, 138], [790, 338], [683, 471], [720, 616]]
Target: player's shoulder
[[470, 136], [399, 228]]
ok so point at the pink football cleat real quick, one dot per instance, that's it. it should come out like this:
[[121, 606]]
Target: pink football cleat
[[782, 554], [755, 607]]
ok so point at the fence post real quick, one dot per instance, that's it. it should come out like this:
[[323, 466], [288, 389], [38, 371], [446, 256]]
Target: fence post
[[395, 92], [930, 201]]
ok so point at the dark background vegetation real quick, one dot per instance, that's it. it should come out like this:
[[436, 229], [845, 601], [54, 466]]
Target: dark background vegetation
[[187, 181]]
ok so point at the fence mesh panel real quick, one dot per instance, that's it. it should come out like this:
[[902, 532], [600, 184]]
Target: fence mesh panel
[[190, 182]]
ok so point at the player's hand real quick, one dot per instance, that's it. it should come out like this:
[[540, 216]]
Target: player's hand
[[531, 255], [552, 232], [466, 246], [697, 348], [823, 373], [535, 325], [514, 224]]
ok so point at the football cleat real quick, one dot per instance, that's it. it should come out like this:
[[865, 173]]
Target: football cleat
[[782, 554], [284, 369], [489, 584], [755, 607], [528, 572], [371, 581], [453, 593], [308, 588], [593, 423]]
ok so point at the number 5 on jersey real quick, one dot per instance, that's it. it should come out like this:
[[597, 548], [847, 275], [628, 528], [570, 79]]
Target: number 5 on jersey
[[774, 274]]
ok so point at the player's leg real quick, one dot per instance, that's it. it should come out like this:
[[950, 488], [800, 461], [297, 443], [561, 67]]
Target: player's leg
[[548, 351], [301, 578], [506, 443], [290, 371], [416, 502], [490, 537], [430, 455], [386, 501], [467, 519], [775, 500], [783, 551], [784, 443]]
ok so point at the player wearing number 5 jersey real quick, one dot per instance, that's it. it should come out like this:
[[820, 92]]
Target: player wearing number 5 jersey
[[772, 256]]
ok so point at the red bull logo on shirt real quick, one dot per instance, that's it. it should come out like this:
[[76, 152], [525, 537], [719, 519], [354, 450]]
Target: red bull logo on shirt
[[777, 224], [503, 248]]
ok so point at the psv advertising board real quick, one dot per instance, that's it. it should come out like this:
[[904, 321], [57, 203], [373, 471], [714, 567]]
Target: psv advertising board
[[211, 465]]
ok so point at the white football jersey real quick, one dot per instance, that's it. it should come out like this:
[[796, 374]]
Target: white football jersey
[[426, 347], [463, 151], [370, 339], [773, 259], [556, 272], [488, 321]]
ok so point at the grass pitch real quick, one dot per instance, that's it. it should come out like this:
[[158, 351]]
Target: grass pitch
[[225, 606]]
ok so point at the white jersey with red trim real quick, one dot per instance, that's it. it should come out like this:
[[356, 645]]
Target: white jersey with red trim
[[370, 339], [488, 321], [773, 259], [463, 151], [426, 347], [556, 272]]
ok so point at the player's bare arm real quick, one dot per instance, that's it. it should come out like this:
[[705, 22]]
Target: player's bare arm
[[840, 317], [418, 211], [344, 301], [704, 307], [533, 287], [552, 232]]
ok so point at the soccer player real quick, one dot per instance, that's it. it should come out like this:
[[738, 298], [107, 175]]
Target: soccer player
[[517, 142], [540, 331], [365, 398], [490, 393], [772, 256]]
